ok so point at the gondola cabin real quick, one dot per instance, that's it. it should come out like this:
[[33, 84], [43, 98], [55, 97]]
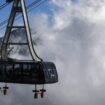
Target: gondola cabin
[[28, 72]]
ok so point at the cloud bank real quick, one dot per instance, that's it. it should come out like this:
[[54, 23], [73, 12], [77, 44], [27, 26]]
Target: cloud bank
[[75, 41]]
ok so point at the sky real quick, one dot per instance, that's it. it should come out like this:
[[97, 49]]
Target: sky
[[5, 13], [73, 37]]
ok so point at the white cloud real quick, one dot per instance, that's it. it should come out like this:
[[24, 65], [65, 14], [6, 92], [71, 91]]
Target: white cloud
[[78, 49], [75, 42], [91, 10], [63, 19]]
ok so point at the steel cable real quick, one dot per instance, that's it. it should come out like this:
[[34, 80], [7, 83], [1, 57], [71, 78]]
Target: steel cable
[[30, 7]]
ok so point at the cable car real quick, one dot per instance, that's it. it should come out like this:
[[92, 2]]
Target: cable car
[[36, 71]]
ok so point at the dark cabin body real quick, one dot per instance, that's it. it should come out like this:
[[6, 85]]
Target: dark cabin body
[[28, 72]]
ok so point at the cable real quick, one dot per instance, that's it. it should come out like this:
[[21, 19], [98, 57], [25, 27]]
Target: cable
[[4, 22], [3, 6], [29, 6], [35, 3]]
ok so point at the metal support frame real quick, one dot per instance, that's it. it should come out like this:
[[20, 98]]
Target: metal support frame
[[20, 9]]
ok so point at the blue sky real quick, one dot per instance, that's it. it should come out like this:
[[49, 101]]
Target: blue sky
[[76, 44], [45, 7]]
